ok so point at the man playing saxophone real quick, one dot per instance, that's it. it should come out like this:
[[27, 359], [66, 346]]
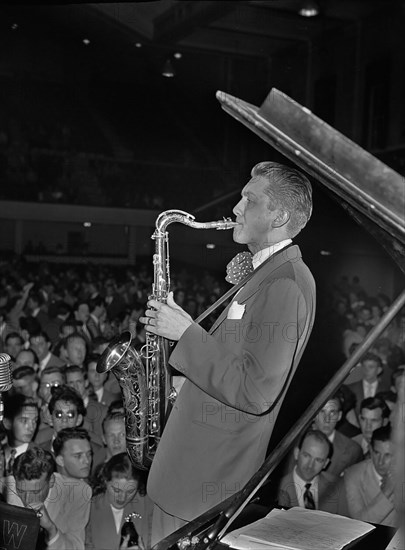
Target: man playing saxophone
[[237, 373]]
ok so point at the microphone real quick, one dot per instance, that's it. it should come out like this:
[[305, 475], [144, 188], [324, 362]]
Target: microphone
[[6, 380]]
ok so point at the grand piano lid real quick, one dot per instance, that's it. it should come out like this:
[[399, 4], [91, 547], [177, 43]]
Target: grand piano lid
[[370, 191]]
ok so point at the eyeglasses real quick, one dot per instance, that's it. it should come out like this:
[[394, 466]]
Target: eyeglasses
[[49, 385], [60, 414]]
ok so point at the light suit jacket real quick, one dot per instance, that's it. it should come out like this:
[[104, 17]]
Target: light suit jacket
[[218, 431], [68, 505], [362, 497]]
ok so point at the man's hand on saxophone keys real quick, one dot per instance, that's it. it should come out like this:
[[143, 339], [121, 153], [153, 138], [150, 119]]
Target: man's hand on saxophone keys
[[168, 320]]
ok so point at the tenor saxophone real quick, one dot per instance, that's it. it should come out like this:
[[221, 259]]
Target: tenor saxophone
[[145, 377]]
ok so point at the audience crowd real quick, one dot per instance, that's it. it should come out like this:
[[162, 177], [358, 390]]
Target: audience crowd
[[63, 448]]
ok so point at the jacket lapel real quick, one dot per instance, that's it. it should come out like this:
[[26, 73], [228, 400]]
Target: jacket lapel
[[261, 273]]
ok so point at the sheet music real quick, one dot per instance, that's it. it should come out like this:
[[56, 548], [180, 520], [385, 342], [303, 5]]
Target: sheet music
[[298, 529]]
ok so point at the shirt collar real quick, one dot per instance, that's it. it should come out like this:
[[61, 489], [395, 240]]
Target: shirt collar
[[265, 253]]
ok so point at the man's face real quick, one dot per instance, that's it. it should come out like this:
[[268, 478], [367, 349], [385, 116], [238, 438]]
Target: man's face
[[120, 491], [40, 346], [75, 458], [33, 492], [370, 420], [95, 378], [65, 415], [327, 418], [47, 382], [254, 216], [381, 455], [24, 425], [311, 458], [83, 313], [24, 386], [76, 351], [13, 346], [114, 435], [76, 380], [370, 370]]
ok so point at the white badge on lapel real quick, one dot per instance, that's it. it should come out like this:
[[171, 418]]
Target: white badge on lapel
[[236, 310]]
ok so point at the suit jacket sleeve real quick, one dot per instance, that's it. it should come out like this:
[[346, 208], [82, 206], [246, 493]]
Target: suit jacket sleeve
[[375, 509], [265, 341]]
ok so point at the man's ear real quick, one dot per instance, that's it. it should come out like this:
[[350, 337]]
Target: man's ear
[[7, 423], [326, 465], [282, 218], [296, 453], [59, 460], [79, 420], [51, 481], [339, 416]]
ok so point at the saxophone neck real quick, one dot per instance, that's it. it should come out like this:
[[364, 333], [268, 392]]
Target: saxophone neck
[[179, 216]]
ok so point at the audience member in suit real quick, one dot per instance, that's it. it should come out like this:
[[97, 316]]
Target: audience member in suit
[[368, 487], [73, 454], [114, 302], [368, 386], [51, 377], [67, 410], [97, 315], [345, 451], [308, 485], [95, 411], [36, 308], [118, 491], [13, 344], [62, 312], [374, 413], [97, 381], [81, 313], [64, 507], [26, 357], [41, 344], [74, 349], [20, 422]]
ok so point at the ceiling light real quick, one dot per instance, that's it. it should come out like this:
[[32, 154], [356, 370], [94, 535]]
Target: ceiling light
[[14, 26], [168, 69], [309, 8], [177, 55], [138, 45], [210, 246], [87, 224], [86, 41]]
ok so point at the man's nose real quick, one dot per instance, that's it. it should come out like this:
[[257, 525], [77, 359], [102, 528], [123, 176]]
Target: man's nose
[[238, 208]]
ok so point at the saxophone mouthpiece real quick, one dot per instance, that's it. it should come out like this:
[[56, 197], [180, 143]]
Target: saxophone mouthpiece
[[228, 224]]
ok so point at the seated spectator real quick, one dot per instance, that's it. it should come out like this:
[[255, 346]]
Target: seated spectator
[[73, 454], [75, 349], [28, 325], [24, 382], [118, 491], [374, 413], [36, 308], [345, 451], [114, 434], [368, 493], [308, 485], [396, 378], [67, 410], [14, 343], [51, 377], [368, 386], [97, 316], [95, 411], [62, 312], [81, 313], [97, 381], [20, 422], [41, 344], [64, 508]]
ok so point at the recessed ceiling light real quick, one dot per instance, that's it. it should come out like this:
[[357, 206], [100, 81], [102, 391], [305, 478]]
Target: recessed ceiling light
[[309, 8], [87, 224], [210, 246], [86, 41], [138, 45], [14, 26], [178, 55]]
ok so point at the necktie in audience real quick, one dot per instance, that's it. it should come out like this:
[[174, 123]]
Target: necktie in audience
[[309, 501], [9, 469]]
